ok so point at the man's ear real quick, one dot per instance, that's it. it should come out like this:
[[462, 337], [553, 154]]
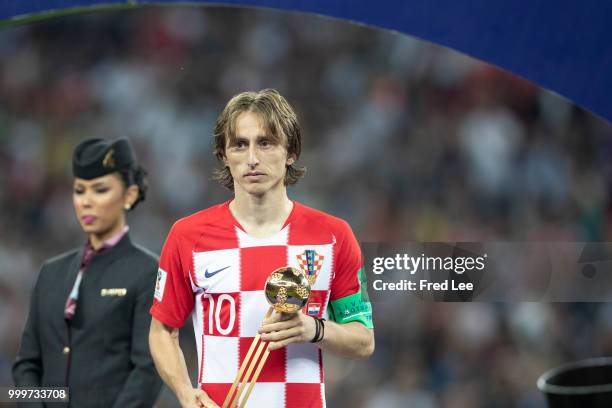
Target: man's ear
[[290, 160]]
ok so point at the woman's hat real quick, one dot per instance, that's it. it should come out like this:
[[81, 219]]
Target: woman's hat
[[98, 157]]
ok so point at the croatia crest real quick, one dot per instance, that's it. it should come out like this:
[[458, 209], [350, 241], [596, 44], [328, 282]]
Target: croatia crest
[[311, 263]]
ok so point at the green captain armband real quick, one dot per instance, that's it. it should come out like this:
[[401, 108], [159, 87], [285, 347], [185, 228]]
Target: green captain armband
[[353, 308]]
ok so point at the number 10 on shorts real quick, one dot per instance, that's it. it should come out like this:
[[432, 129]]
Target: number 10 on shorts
[[220, 314]]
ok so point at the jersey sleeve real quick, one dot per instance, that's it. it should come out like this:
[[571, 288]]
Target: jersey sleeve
[[173, 299], [349, 301]]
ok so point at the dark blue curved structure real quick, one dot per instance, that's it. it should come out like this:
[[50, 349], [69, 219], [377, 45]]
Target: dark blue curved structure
[[562, 45]]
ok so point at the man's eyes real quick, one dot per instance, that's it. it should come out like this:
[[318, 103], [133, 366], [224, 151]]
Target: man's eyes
[[263, 143], [266, 143]]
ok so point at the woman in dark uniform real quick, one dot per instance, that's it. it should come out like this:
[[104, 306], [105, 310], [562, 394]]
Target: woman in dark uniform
[[88, 323]]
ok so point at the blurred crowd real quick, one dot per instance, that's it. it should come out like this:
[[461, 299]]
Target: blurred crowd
[[406, 140]]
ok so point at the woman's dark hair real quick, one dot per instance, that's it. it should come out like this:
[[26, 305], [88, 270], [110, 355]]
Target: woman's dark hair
[[136, 175]]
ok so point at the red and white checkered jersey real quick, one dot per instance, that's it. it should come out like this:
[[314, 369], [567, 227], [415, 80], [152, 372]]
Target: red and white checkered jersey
[[211, 268]]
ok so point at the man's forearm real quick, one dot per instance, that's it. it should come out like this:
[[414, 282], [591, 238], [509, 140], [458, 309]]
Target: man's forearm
[[168, 357], [352, 340]]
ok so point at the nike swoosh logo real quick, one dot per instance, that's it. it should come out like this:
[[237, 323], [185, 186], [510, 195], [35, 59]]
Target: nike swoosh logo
[[211, 274]]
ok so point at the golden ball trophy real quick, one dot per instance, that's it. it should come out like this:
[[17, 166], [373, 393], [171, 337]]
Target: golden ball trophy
[[287, 291]]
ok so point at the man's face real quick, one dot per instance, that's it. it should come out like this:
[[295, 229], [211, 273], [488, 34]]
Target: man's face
[[256, 161]]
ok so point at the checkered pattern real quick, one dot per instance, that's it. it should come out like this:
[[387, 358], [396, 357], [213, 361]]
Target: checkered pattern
[[233, 306], [227, 277]]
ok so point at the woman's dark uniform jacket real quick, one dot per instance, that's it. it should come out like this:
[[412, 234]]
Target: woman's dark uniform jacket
[[106, 362]]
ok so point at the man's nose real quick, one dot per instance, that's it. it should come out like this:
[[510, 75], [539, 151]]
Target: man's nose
[[253, 159]]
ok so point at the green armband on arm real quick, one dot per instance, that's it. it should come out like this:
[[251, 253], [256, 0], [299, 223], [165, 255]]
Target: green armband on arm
[[353, 308]]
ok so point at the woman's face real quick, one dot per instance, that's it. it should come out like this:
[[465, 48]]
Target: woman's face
[[100, 204]]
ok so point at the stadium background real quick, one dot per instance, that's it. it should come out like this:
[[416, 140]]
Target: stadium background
[[405, 140]]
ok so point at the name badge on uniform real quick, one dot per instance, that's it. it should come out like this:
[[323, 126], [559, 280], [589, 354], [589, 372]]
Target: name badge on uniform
[[113, 292]]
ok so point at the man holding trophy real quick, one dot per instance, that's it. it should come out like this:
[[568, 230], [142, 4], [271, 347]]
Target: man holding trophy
[[225, 263]]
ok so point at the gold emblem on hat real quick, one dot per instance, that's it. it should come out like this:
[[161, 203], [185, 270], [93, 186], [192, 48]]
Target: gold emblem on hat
[[109, 160]]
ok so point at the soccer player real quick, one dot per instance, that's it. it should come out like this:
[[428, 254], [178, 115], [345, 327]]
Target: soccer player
[[215, 262]]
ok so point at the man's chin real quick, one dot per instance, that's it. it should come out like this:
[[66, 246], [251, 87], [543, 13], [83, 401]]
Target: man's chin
[[258, 188]]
